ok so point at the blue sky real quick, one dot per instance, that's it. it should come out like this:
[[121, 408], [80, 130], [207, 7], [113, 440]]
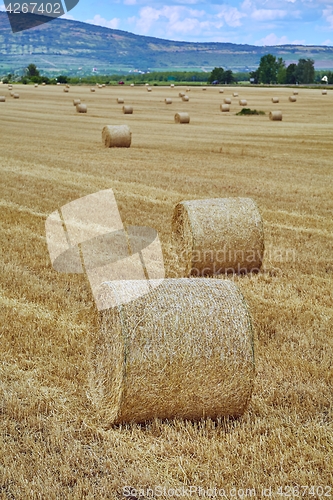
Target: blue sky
[[258, 22]]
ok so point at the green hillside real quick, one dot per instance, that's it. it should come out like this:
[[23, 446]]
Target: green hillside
[[72, 47]]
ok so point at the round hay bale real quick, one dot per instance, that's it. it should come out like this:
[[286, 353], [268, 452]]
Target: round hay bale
[[147, 84], [76, 101], [16, 96], [36, 85], [183, 350], [214, 236], [185, 98], [66, 89], [43, 84], [172, 86], [103, 85], [10, 87], [148, 89], [120, 100], [275, 115], [67, 86], [92, 89], [225, 107], [235, 94], [204, 88], [295, 92], [116, 136], [167, 100], [100, 86], [182, 118], [324, 92], [292, 98], [275, 100], [128, 110], [132, 84], [58, 83], [181, 94], [188, 89], [243, 102], [221, 91], [2, 98], [227, 100], [12, 94], [81, 108]]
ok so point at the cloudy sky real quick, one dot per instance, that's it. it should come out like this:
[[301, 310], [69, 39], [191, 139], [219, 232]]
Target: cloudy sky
[[258, 22]]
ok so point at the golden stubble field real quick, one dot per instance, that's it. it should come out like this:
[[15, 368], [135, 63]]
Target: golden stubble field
[[53, 444]]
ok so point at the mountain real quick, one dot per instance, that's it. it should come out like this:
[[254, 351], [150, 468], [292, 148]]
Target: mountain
[[72, 47]]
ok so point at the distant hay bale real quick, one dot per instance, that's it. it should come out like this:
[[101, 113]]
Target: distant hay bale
[[181, 94], [275, 115], [2, 98], [292, 98], [66, 89], [235, 94], [16, 96], [43, 83], [324, 92], [100, 86], [103, 85], [81, 108], [183, 350], [243, 102], [221, 235], [182, 118], [275, 100], [76, 101], [10, 87], [12, 94], [225, 107], [147, 84], [221, 91], [92, 89], [185, 98], [116, 136], [167, 100], [188, 89], [295, 92], [128, 110], [204, 88], [227, 100], [120, 100], [67, 86], [172, 85], [36, 85], [58, 83], [148, 89], [132, 84]]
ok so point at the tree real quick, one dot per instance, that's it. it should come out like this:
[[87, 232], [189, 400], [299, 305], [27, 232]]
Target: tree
[[268, 68], [305, 72], [32, 70], [216, 75], [281, 71], [229, 76], [62, 79], [291, 74]]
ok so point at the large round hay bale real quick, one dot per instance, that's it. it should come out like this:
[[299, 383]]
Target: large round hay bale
[[43, 84], [65, 89], [183, 350], [116, 136], [81, 108], [292, 98], [182, 118], [221, 91], [181, 94], [214, 236], [275, 115], [188, 89], [16, 96], [204, 88], [227, 100], [275, 100], [76, 102], [148, 89], [324, 92], [235, 94], [36, 85], [172, 86], [242, 102], [100, 86], [2, 98], [103, 85], [67, 86], [132, 84], [92, 89], [167, 100], [128, 110], [295, 92], [120, 100], [58, 83], [185, 98], [224, 107]]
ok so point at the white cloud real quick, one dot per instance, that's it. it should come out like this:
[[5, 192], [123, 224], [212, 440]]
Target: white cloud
[[273, 39], [129, 2], [100, 21], [177, 18], [230, 15], [268, 14], [327, 42], [328, 16]]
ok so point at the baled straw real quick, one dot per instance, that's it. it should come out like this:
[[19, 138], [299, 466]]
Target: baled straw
[[243, 102], [221, 91], [36, 85], [16, 96], [67, 86], [275, 115], [100, 86], [128, 110], [224, 107], [148, 89], [292, 98], [204, 88], [324, 92], [183, 350], [103, 85], [92, 89], [181, 94], [12, 94], [66, 89], [2, 98], [182, 118], [120, 100], [188, 89], [185, 98], [235, 94], [227, 100], [295, 92], [275, 100], [116, 136], [147, 84], [58, 83], [43, 83], [221, 235], [172, 85], [167, 100], [81, 108], [132, 84], [76, 101]]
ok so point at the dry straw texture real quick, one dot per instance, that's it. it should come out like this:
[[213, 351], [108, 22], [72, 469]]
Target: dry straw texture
[[275, 115], [128, 110], [148, 89], [36, 85], [2, 98], [81, 108], [182, 118], [76, 101], [44, 84], [92, 89], [185, 98], [116, 136], [295, 92], [235, 94], [120, 100], [172, 85], [224, 107], [324, 92], [66, 89], [221, 91], [220, 235], [167, 100], [275, 100], [181, 94], [183, 350], [204, 88], [16, 96], [132, 84], [292, 98], [243, 102], [227, 100]]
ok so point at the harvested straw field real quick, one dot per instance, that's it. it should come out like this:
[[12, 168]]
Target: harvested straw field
[[55, 441]]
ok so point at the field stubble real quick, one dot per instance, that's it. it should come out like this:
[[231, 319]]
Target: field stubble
[[53, 443]]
